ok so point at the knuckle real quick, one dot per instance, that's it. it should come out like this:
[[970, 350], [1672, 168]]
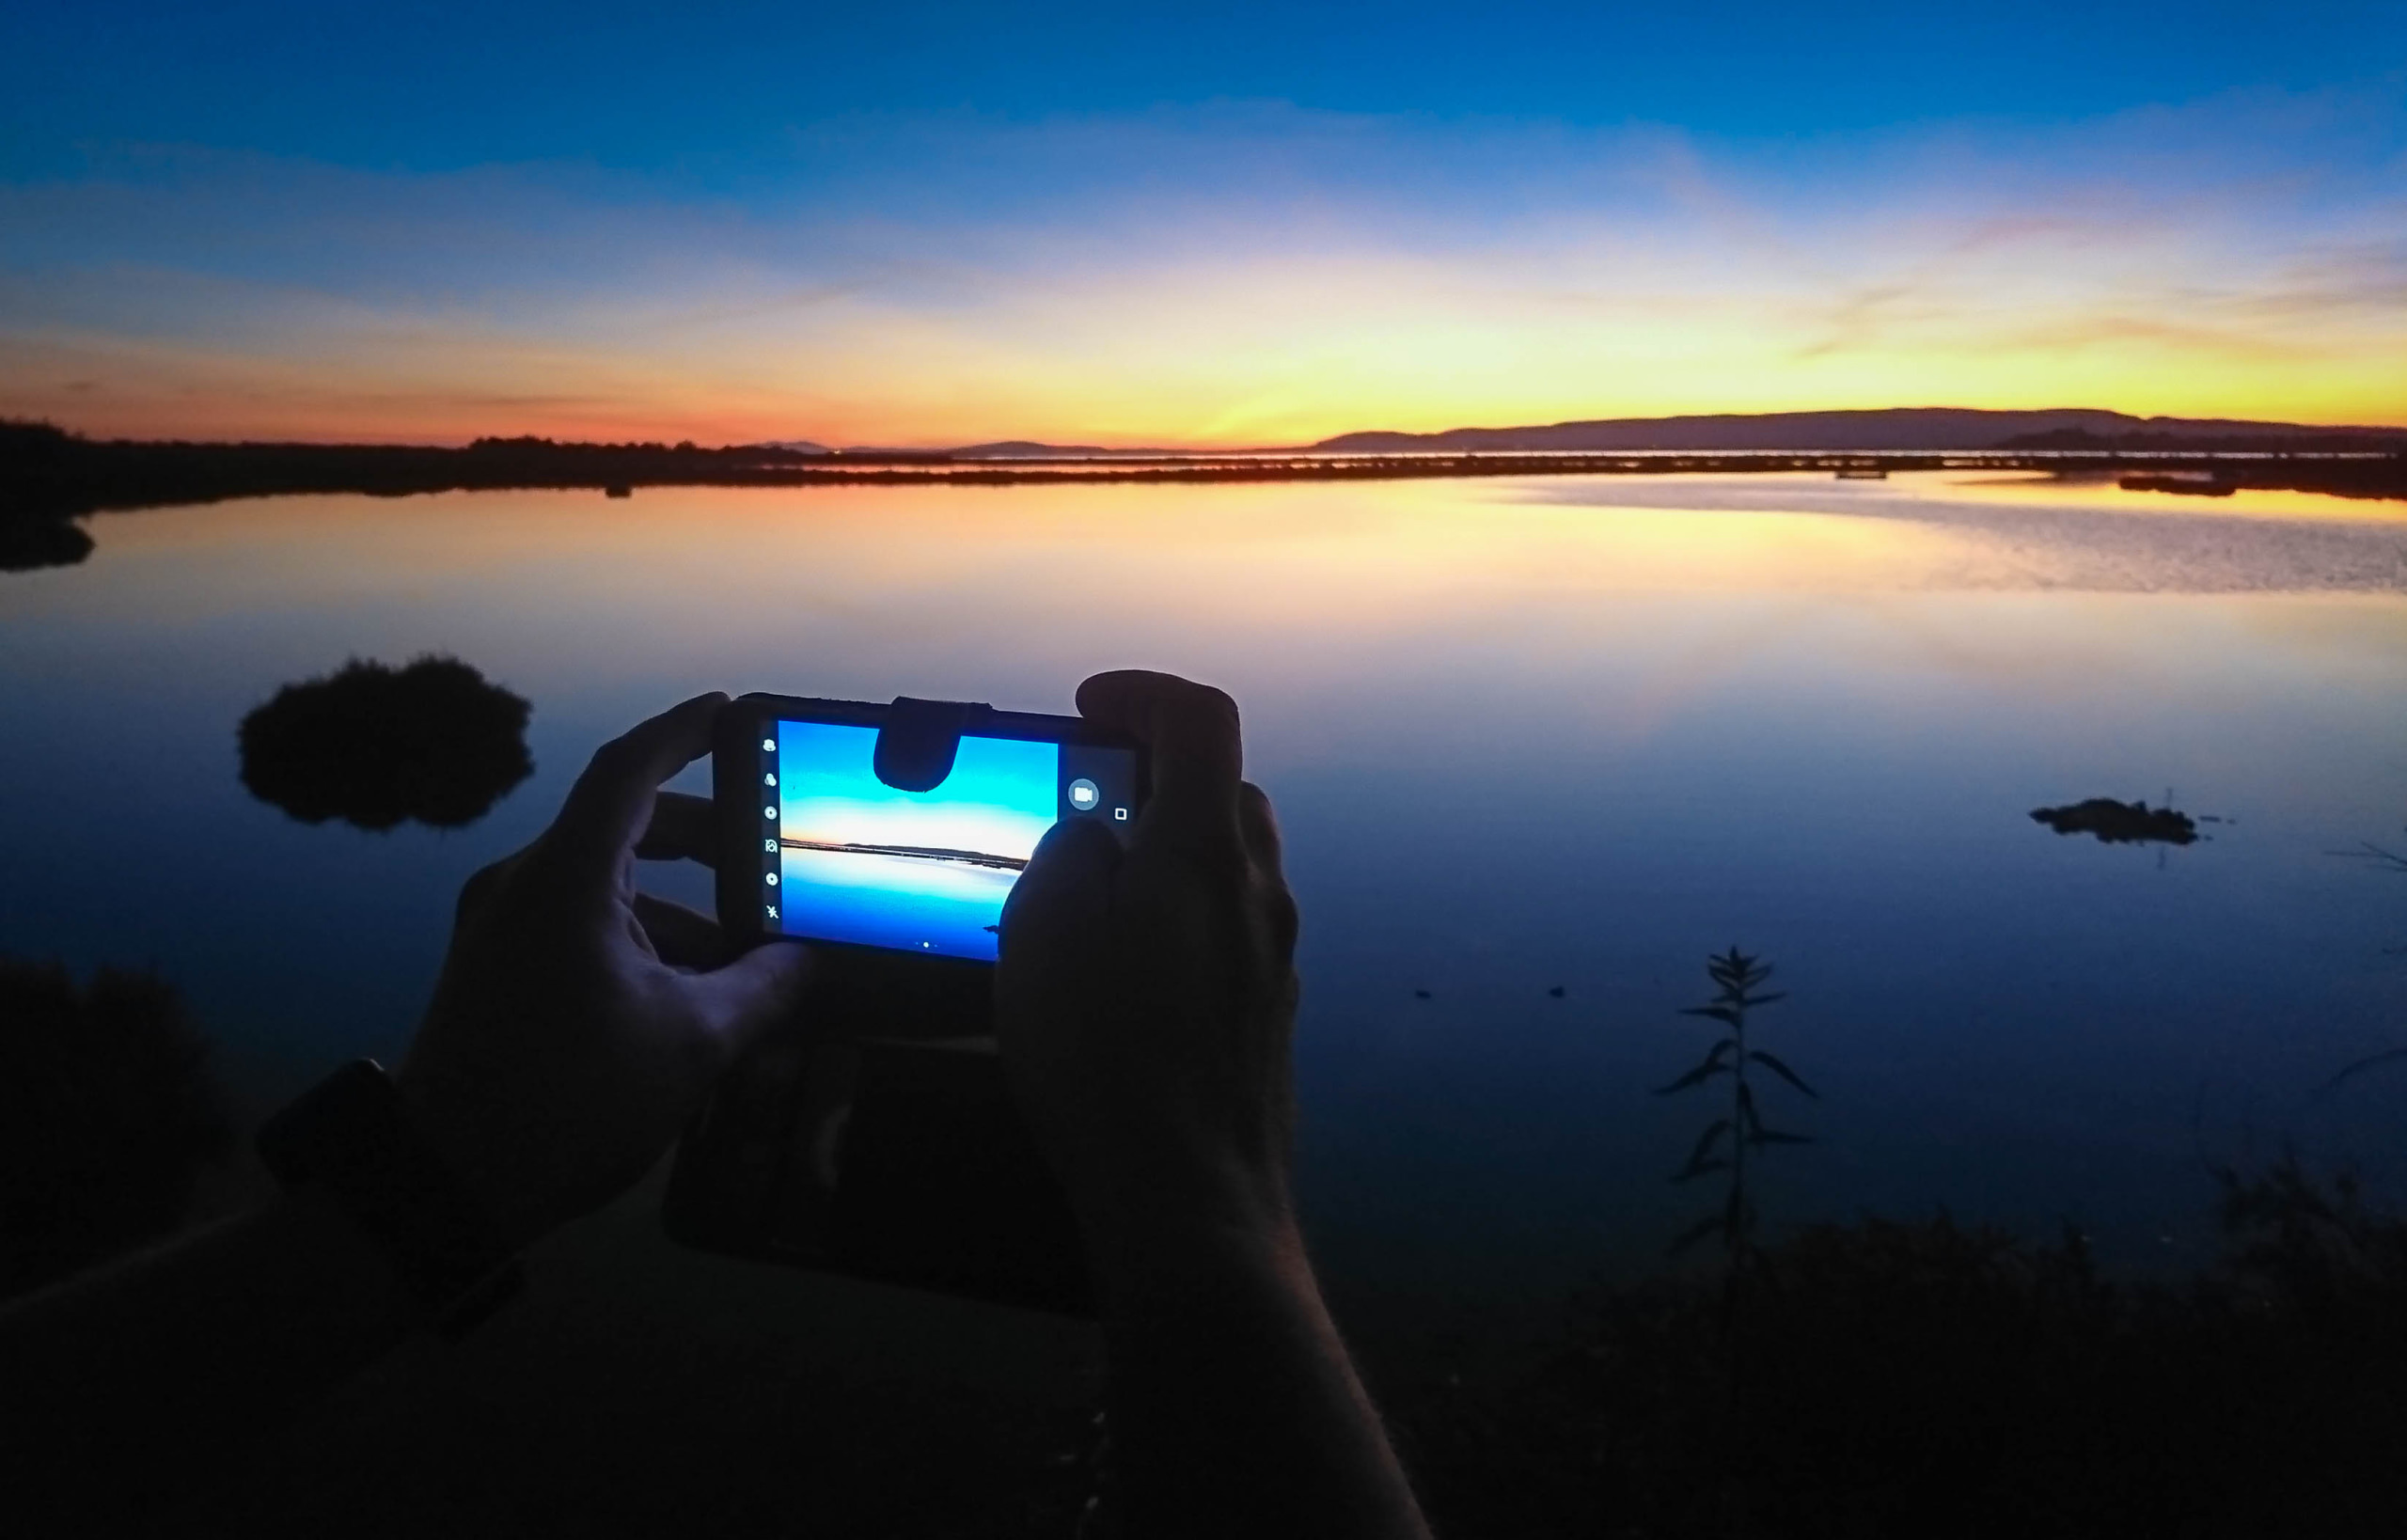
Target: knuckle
[[1211, 698]]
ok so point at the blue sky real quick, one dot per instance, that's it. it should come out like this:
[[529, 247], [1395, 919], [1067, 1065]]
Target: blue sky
[[1213, 225]]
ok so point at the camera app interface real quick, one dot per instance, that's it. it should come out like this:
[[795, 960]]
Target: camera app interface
[[847, 857]]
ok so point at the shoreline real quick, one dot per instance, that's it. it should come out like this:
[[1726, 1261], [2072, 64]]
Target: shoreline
[[68, 479]]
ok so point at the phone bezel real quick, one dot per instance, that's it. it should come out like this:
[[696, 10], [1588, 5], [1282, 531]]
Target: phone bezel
[[738, 823]]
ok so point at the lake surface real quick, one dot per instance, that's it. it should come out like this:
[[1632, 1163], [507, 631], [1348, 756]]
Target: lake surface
[[1522, 735]]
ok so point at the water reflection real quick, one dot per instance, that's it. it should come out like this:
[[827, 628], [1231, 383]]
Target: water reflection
[[1522, 735], [373, 745]]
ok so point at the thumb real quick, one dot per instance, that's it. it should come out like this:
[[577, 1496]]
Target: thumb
[[754, 993], [1064, 886]]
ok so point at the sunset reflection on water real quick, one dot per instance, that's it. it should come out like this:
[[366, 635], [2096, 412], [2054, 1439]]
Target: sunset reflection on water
[[1522, 733]]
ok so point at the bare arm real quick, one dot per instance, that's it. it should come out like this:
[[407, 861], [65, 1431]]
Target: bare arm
[[561, 1053], [1146, 1000]]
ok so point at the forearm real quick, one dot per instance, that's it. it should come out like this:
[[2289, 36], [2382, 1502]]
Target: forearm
[[1234, 1406], [138, 1382]]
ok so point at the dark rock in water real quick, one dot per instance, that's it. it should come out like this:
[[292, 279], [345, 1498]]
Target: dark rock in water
[[28, 544], [108, 1112], [2121, 823], [1421, 994], [1556, 992], [374, 746]]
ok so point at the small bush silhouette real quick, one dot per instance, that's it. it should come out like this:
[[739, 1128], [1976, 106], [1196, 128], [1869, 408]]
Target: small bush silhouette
[[374, 746], [107, 1113]]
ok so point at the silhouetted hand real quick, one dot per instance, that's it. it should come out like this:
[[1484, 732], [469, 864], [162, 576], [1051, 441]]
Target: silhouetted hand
[[571, 1035], [1146, 997]]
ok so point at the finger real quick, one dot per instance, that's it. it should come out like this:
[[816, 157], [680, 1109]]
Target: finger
[[1190, 732], [680, 936], [611, 802], [752, 993], [1065, 888], [681, 830], [1259, 827]]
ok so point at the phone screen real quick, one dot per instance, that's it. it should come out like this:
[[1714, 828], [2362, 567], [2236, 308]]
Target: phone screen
[[846, 857]]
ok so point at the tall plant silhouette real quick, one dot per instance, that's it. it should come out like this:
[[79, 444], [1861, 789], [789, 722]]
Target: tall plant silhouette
[[1727, 1143]]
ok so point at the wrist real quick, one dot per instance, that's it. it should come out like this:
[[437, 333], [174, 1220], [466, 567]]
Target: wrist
[[351, 1142], [1145, 1241]]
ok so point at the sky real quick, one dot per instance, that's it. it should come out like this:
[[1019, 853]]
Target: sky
[[936, 224], [998, 798]]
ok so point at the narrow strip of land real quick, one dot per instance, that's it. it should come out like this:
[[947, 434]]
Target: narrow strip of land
[[48, 475], [923, 853]]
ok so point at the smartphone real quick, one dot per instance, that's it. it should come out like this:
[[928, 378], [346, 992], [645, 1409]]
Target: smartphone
[[899, 830], [878, 1139]]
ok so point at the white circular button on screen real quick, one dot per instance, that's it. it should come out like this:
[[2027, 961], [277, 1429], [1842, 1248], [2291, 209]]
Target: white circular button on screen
[[1084, 794]]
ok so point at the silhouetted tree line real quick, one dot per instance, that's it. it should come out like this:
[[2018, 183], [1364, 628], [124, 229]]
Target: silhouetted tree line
[[48, 476]]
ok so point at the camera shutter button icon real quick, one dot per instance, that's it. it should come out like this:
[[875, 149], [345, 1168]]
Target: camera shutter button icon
[[1084, 794]]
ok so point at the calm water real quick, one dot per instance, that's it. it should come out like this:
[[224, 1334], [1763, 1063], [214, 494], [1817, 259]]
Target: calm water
[[1526, 734]]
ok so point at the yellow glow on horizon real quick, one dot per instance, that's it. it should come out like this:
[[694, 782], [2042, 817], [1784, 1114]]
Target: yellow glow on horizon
[[1270, 351]]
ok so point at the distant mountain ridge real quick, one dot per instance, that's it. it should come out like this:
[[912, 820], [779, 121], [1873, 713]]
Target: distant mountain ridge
[[1892, 429]]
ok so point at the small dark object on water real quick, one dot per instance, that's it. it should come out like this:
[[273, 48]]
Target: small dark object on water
[[2121, 823], [1557, 992], [618, 489], [2185, 486], [1421, 994], [374, 746]]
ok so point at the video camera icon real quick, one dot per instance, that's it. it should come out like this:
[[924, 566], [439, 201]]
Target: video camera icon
[[1084, 794]]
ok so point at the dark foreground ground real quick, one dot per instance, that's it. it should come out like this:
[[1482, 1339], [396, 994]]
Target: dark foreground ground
[[1869, 1379]]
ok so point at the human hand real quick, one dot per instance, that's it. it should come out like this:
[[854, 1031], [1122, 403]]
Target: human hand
[[1145, 998], [572, 1032]]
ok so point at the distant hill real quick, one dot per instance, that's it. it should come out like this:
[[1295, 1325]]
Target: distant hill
[[1897, 428], [794, 445], [1021, 448]]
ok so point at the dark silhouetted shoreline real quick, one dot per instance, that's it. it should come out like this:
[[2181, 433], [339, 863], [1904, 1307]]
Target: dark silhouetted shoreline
[[49, 476]]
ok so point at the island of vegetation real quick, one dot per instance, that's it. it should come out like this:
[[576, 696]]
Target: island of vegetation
[[376, 745], [2121, 823]]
